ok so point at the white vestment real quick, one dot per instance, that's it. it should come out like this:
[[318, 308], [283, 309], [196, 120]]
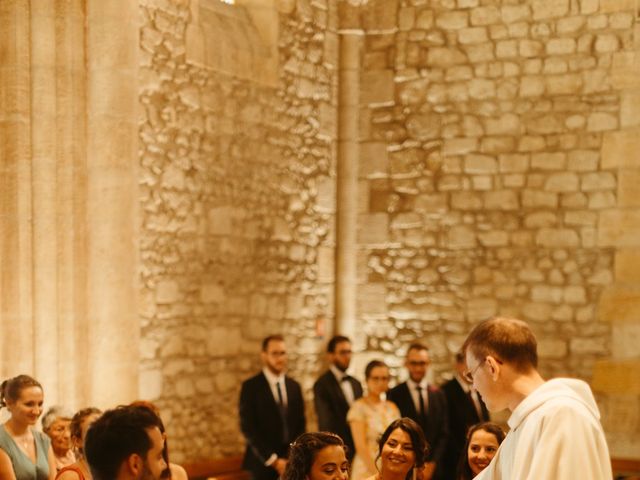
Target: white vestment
[[555, 435]]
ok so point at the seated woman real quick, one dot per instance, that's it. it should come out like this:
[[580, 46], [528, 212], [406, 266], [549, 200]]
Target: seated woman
[[402, 451], [483, 440], [25, 454], [368, 417], [55, 423], [317, 456], [173, 471], [80, 423]]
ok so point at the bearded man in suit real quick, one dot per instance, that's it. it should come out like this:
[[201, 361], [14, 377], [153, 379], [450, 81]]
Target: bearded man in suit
[[335, 391], [271, 413]]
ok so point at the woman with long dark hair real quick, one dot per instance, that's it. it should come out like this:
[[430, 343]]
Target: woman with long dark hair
[[483, 441], [317, 456]]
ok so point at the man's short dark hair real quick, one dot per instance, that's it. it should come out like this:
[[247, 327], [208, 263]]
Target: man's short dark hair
[[417, 346], [507, 339], [335, 340], [271, 338], [116, 435]]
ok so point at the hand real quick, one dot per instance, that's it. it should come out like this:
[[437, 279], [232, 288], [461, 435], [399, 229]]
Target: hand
[[279, 465]]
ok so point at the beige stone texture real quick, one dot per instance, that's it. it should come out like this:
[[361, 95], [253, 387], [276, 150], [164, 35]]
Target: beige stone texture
[[616, 377], [625, 70], [543, 9], [630, 109], [619, 228], [620, 149], [609, 6]]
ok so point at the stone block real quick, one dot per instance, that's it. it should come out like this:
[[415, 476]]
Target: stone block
[[423, 127], [510, 163], [515, 13], [627, 266], [452, 20], [485, 15], [562, 182], [497, 145], [616, 377], [539, 199], [374, 159], [598, 181], [602, 121], [326, 264], [507, 49], [547, 294], [589, 6], [540, 220], [545, 124], [625, 70], [406, 18], [589, 346], [530, 48], [583, 160], [567, 84], [630, 109], [481, 308], [610, 6], [561, 46], [619, 228], [212, 293], [628, 191], [372, 299], [374, 229], [543, 9], [552, 348], [472, 35], [424, 19], [466, 201], [575, 294], [445, 57], [505, 124], [461, 237], [459, 146], [167, 291], [501, 200], [480, 53], [482, 182], [480, 165], [482, 88], [620, 303], [574, 200], [531, 86], [557, 238], [581, 218], [493, 238], [607, 43], [575, 122], [620, 149], [430, 202], [377, 87], [570, 25], [548, 161], [601, 200]]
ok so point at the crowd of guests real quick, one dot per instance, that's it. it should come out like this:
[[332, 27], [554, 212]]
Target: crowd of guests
[[411, 432]]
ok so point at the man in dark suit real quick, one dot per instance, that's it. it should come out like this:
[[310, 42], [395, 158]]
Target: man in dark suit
[[466, 408], [335, 390], [427, 405], [271, 413]]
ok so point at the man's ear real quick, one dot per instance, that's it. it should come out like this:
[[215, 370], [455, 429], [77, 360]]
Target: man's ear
[[494, 367], [134, 464]]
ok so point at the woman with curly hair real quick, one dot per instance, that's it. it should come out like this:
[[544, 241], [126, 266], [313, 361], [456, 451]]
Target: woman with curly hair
[[483, 440], [402, 451], [317, 456], [79, 426]]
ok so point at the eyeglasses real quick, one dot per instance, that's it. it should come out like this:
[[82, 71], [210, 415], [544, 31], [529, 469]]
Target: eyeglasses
[[468, 375]]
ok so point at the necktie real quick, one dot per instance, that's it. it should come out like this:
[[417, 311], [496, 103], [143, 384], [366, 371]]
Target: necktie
[[283, 414], [421, 402]]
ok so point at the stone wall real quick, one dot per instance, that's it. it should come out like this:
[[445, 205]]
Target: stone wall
[[487, 186], [237, 183]]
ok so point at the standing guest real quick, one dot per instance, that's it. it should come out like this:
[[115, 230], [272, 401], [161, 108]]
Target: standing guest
[[402, 451], [480, 447], [80, 423], [317, 456], [335, 391], [466, 408], [555, 430], [25, 454], [173, 471], [271, 412], [55, 423], [368, 417], [427, 406], [126, 444]]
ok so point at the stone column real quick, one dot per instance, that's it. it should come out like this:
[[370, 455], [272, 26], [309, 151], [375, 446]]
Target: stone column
[[347, 180], [112, 99]]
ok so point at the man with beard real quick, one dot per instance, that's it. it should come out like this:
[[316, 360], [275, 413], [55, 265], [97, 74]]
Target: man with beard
[[271, 413], [335, 391], [126, 444]]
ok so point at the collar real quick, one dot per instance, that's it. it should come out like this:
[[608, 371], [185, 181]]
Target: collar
[[423, 384], [271, 377], [464, 385], [339, 374]]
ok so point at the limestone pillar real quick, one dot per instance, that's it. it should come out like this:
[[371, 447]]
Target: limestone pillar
[[347, 181]]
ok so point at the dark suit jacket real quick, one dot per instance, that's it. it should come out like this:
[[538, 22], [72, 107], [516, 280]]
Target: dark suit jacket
[[261, 424], [436, 428], [462, 415], [332, 407]]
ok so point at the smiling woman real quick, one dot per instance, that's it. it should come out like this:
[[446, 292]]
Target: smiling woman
[[402, 451], [317, 456], [25, 454], [483, 441]]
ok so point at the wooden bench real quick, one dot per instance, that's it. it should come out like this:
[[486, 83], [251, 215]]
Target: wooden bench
[[229, 468], [626, 468]]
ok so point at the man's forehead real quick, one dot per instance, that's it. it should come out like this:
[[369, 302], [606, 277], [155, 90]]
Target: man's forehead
[[276, 346]]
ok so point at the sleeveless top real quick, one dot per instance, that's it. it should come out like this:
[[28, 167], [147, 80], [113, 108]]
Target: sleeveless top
[[71, 468], [23, 467]]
